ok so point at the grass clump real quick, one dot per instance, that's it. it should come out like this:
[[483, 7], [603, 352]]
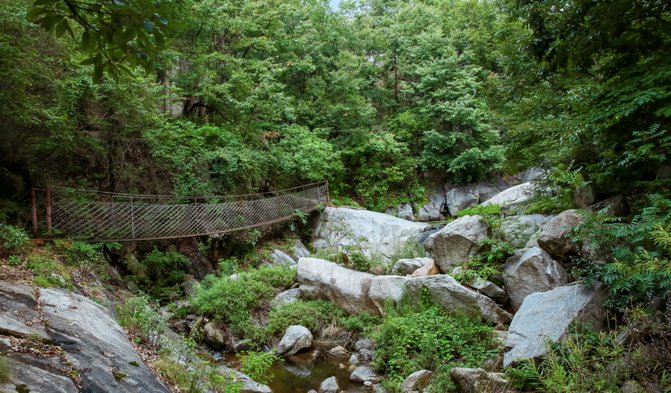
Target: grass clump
[[235, 299], [139, 316], [414, 337], [589, 361], [5, 372], [200, 378]]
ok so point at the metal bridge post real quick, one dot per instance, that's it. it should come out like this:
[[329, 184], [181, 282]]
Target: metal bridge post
[[132, 218]]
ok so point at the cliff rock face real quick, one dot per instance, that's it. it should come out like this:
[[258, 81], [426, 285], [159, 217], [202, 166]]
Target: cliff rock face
[[57, 341]]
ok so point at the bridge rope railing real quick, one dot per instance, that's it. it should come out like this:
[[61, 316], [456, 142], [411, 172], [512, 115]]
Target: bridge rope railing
[[100, 216]]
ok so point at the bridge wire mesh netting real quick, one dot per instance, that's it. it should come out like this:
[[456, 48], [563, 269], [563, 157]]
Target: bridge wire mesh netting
[[91, 215]]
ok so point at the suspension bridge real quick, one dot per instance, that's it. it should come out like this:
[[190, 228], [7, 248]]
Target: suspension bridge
[[103, 216]]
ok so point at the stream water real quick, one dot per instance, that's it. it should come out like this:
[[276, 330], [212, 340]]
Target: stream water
[[302, 372]]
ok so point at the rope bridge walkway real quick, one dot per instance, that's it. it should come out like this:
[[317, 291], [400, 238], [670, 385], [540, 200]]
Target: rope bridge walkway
[[98, 216]]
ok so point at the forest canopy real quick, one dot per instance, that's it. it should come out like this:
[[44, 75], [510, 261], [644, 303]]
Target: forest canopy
[[382, 98]]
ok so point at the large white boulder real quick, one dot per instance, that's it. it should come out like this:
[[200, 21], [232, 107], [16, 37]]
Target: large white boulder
[[358, 292], [353, 291], [453, 297], [531, 270], [458, 241], [374, 234], [547, 316], [512, 196], [461, 197], [295, 339], [555, 234]]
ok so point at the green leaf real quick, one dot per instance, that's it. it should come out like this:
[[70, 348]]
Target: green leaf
[[149, 26], [86, 40]]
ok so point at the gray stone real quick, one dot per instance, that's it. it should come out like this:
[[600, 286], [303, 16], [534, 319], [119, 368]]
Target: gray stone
[[374, 234], [416, 381], [329, 385], [300, 251], [405, 212], [616, 206], [458, 241], [36, 379], [356, 292], [295, 338], [429, 269], [555, 234], [462, 197], [379, 389], [338, 352], [247, 384], [365, 355], [489, 188], [433, 210], [518, 230], [214, 335], [353, 291], [287, 297], [490, 290], [477, 380], [91, 339], [407, 266], [532, 174], [455, 298], [531, 270], [364, 343], [546, 316], [353, 360], [190, 286], [512, 196], [280, 258], [363, 374]]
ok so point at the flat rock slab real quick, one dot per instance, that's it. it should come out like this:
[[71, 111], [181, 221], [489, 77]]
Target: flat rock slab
[[546, 316], [91, 340], [512, 196], [374, 234]]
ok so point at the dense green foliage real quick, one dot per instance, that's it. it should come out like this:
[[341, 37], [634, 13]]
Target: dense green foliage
[[233, 299], [384, 98], [412, 338]]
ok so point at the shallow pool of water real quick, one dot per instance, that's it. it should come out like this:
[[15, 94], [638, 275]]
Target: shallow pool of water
[[299, 374], [305, 371]]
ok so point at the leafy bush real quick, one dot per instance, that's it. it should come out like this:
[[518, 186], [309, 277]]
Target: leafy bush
[[12, 239], [139, 316], [412, 338], [256, 365], [234, 299], [304, 154], [565, 188], [633, 259], [159, 272]]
